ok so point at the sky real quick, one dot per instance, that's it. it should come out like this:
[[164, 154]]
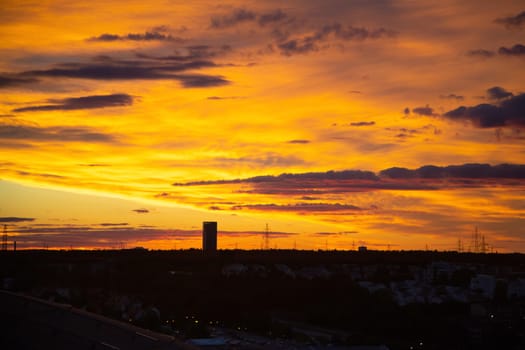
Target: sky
[[329, 124]]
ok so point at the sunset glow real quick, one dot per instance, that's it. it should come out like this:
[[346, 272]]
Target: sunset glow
[[127, 124]]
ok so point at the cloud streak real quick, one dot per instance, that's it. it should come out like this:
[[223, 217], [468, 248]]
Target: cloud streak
[[428, 177], [300, 207], [147, 36], [362, 123], [56, 133], [107, 69], [84, 102], [516, 50], [310, 43], [498, 93], [512, 22], [14, 219], [240, 15], [13, 81], [426, 111]]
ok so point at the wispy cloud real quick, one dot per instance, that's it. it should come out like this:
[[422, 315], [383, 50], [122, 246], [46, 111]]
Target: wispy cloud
[[452, 97], [481, 53], [15, 219], [299, 141], [231, 19], [512, 22], [426, 111], [516, 50], [56, 133], [241, 15], [146, 36], [300, 207], [7, 81], [363, 123], [309, 43]]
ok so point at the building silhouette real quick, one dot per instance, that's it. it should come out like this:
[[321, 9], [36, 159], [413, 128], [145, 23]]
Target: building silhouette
[[209, 236]]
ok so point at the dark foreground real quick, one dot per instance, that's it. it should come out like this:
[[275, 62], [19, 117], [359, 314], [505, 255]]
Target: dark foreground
[[30, 323], [284, 299]]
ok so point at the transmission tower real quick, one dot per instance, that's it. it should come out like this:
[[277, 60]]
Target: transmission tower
[[267, 238], [4, 239], [475, 241], [460, 245]]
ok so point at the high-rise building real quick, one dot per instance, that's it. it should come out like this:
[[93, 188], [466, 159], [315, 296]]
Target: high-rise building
[[209, 236]]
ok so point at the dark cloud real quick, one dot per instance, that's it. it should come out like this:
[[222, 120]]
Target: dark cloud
[[42, 175], [134, 70], [481, 53], [299, 141], [232, 19], [312, 176], [10, 81], [141, 211], [120, 70], [84, 102], [362, 123], [426, 111], [56, 133], [272, 17], [498, 93], [147, 36], [452, 97], [346, 33], [300, 207], [15, 219], [297, 46], [516, 50], [315, 186], [201, 80], [406, 111], [468, 171], [191, 53], [94, 165], [218, 98], [512, 22], [336, 233], [509, 112], [240, 15]]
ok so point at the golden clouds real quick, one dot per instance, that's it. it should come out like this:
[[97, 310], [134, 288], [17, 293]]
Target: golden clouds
[[150, 94]]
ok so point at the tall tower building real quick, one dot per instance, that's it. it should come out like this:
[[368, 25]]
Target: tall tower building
[[209, 236]]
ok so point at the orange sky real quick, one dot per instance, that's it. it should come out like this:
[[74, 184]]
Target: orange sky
[[106, 105]]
